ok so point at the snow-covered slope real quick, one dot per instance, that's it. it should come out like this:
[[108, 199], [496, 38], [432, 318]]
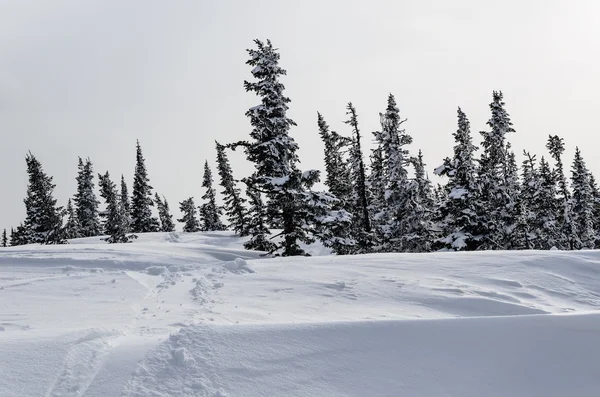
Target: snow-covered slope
[[196, 315]]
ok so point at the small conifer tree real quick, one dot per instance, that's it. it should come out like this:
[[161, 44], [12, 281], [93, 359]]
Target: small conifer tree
[[210, 212], [234, 202], [43, 224], [142, 220], [116, 224], [86, 204], [164, 214], [189, 218]]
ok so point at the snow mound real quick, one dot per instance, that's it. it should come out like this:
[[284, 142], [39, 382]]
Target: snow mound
[[238, 265], [202, 290], [157, 270]]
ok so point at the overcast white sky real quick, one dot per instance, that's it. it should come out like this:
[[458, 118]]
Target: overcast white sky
[[88, 78]]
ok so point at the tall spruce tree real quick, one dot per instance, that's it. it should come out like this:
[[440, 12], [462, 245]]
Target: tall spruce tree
[[273, 151], [328, 212], [142, 220], [235, 209], [556, 147], [43, 223], [164, 214], [72, 225], [596, 208], [582, 205], [423, 181], [460, 203], [360, 207], [495, 173], [423, 230], [376, 182], [125, 204], [513, 213], [210, 212], [189, 219], [86, 203], [402, 215], [547, 208], [4, 241], [528, 228]]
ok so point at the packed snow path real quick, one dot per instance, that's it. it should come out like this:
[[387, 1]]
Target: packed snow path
[[176, 314]]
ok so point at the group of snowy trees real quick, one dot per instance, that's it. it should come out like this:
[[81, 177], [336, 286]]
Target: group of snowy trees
[[390, 205], [387, 204], [122, 218], [210, 212], [489, 203]]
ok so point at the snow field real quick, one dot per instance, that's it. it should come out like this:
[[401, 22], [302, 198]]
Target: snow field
[[196, 315]]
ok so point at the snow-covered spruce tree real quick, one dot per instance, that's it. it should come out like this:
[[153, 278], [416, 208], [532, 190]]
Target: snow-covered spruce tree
[[513, 213], [423, 231], [527, 233], [86, 204], [493, 178], [189, 219], [376, 183], [235, 209], [460, 204], [210, 212], [72, 224], [359, 209], [547, 209], [582, 205], [596, 208], [257, 227], [116, 224], [337, 169], [423, 182], [142, 220], [556, 147], [273, 151], [125, 204], [164, 214], [4, 241], [329, 216], [43, 223], [400, 218]]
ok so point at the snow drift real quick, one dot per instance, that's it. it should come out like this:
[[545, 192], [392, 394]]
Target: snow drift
[[500, 357]]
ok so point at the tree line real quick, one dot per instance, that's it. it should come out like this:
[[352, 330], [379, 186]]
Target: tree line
[[121, 220], [388, 204]]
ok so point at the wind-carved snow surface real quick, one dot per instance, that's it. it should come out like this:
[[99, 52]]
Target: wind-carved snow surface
[[177, 314]]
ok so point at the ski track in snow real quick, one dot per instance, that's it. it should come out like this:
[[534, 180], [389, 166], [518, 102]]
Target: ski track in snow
[[82, 363], [174, 298]]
